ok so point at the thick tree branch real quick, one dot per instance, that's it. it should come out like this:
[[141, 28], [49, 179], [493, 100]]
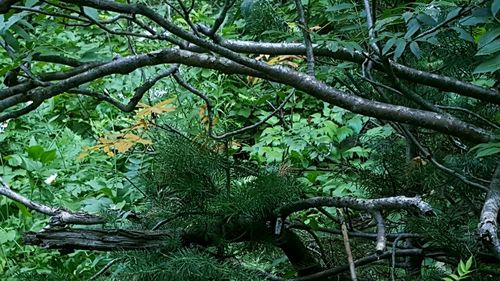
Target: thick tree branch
[[441, 82], [488, 225], [98, 240], [300, 81]]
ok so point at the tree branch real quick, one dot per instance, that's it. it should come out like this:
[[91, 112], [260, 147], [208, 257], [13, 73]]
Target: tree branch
[[396, 202], [488, 226], [59, 216]]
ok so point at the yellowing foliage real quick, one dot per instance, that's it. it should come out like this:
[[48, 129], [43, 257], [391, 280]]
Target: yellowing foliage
[[283, 59], [122, 142], [158, 108]]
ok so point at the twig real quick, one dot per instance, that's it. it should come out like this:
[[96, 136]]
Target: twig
[[209, 105], [471, 113], [462, 12], [307, 38], [347, 246], [104, 269], [366, 260], [427, 155]]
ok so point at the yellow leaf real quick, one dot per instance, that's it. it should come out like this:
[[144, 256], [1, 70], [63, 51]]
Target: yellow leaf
[[123, 145], [81, 155]]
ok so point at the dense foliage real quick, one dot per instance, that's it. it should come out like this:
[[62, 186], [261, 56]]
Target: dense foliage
[[249, 140]]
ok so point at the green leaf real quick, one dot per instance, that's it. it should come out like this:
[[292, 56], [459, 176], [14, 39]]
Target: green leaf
[[7, 236], [415, 49], [468, 264], [388, 45], [461, 268], [35, 152], [339, 7], [495, 6], [400, 48], [91, 12], [490, 65], [48, 156], [489, 48], [488, 37], [413, 26], [462, 34]]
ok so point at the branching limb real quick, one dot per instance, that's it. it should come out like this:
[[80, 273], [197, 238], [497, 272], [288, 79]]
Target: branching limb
[[139, 92], [210, 113], [397, 202], [370, 22], [59, 216], [222, 16], [427, 155]]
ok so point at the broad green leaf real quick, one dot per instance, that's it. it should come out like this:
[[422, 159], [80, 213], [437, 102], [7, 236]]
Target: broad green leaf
[[495, 7], [91, 12], [463, 34], [487, 37], [468, 264], [48, 156], [35, 152], [412, 27], [490, 65], [415, 49], [400, 48], [489, 48], [388, 45], [339, 7]]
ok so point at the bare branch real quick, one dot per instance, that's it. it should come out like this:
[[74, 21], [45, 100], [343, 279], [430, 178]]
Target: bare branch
[[347, 245], [381, 239], [59, 215], [427, 155], [397, 202], [139, 92]]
